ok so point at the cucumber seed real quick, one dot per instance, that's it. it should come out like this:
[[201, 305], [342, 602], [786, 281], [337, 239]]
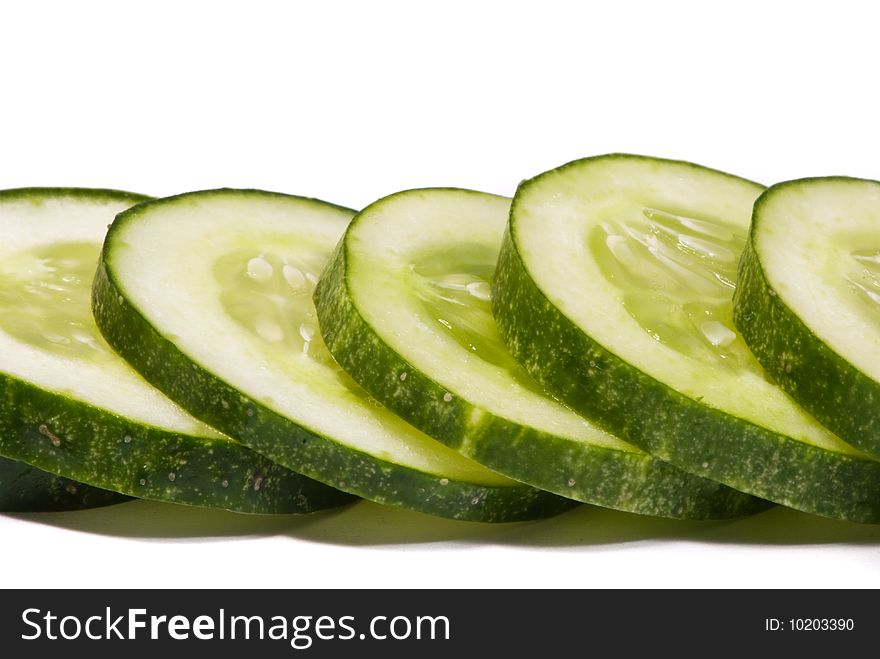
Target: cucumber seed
[[717, 333], [268, 329], [259, 269], [294, 278], [480, 290], [307, 332]]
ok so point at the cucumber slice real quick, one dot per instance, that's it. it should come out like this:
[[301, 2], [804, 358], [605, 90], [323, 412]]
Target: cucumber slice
[[26, 489], [74, 408], [614, 288], [428, 348], [808, 301], [208, 294]]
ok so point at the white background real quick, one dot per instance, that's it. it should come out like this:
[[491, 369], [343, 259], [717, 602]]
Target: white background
[[349, 101]]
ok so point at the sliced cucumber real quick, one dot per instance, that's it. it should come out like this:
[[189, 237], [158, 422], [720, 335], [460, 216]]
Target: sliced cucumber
[[614, 288], [208, 294], [428, 348], [73, 408], [26, 489], [808, 302]]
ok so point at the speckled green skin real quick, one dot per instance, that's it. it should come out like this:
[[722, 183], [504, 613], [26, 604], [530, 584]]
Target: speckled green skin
[[594, 474], [832, 389], [37, 195], [26, 489], [703, 440], [66, 436], [280, 438]]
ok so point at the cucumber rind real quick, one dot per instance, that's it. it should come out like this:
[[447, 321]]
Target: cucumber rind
[[61, 433], [282, 440], [68, 437], [26, 489], [41, 194], [669, 424], [827, 384], [575, 469]]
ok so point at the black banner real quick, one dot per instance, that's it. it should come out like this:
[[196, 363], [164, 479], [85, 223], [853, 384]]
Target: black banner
[[406, 623]]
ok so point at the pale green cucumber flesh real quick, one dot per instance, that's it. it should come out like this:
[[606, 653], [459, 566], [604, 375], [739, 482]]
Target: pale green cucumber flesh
[[428, 348], [72, 407], [38, 307], [580, 318], [215, 289], [809, 300]]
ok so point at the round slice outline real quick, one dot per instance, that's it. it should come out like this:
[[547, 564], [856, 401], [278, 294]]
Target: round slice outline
[[818, 341], [74, 409], [431, 356], [826, 477], [262, 413]]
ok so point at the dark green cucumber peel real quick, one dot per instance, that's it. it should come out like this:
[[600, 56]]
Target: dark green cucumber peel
[[607, 389], [92, 445], [267, 432], [39, 195], [505, 446], [823, 382], [358, 349], [213, 401], [26, 489], [64, 435]]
